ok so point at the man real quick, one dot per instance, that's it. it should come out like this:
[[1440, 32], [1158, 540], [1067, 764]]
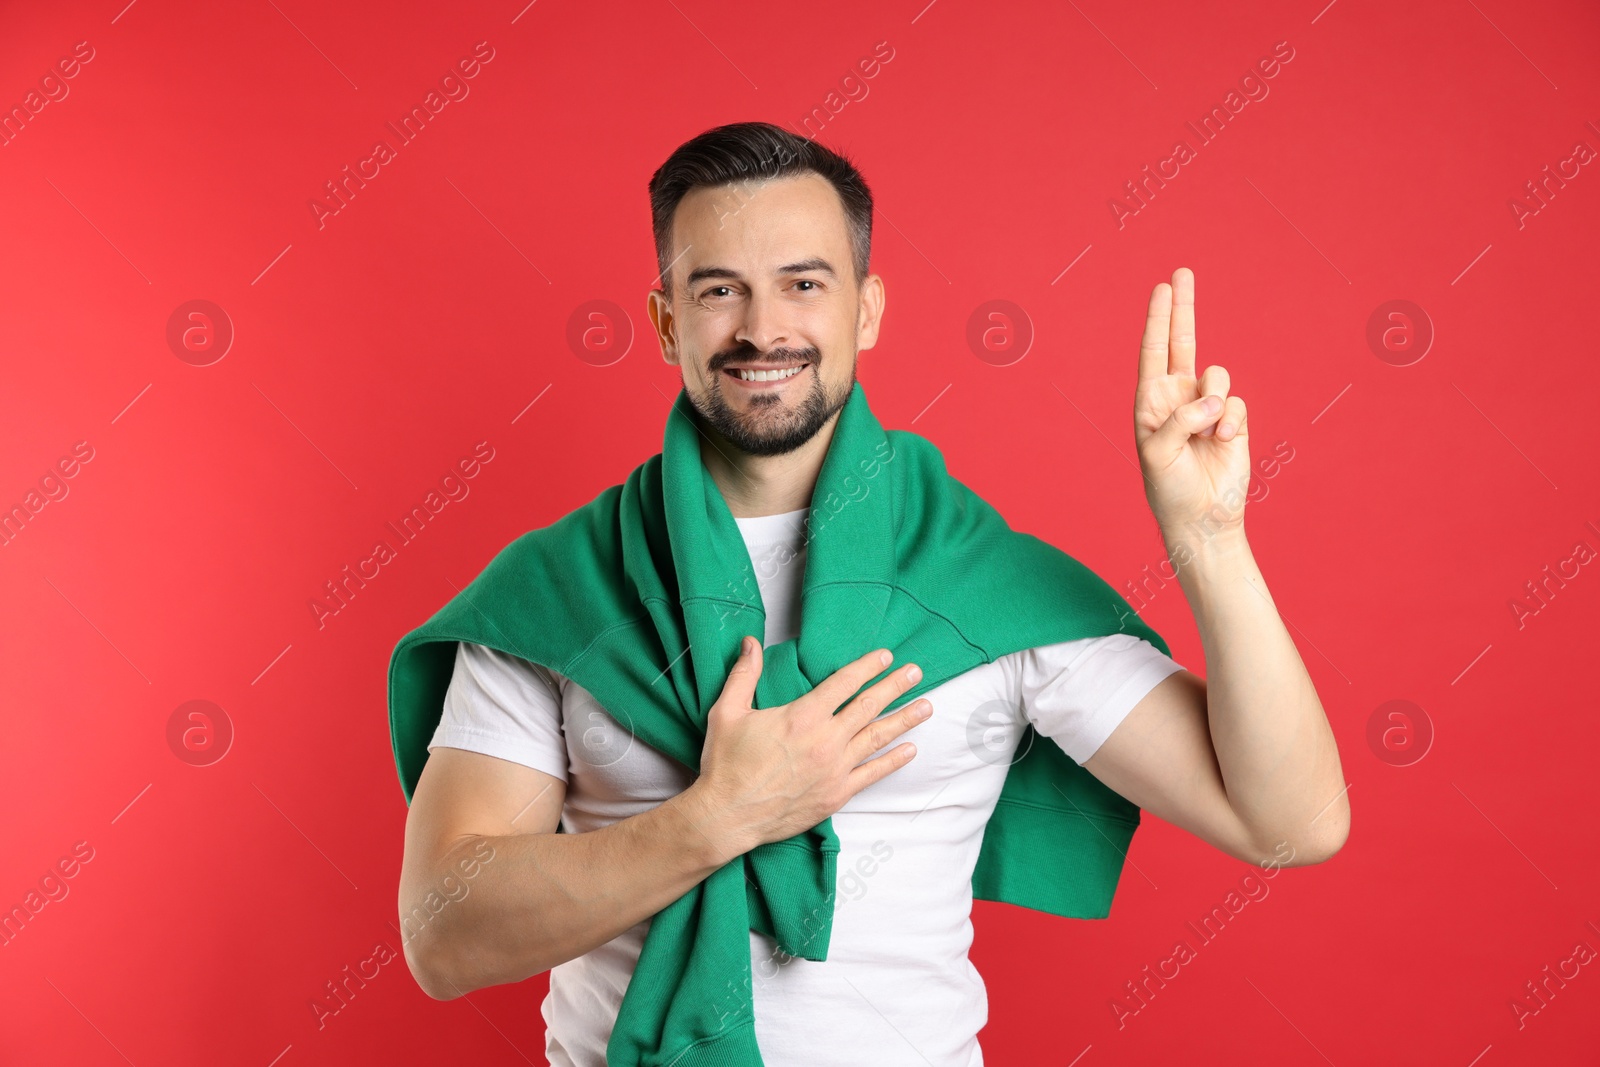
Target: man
[[765, 302]]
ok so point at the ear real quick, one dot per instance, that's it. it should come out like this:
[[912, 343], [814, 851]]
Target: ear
[[870, 315], [659, 308]]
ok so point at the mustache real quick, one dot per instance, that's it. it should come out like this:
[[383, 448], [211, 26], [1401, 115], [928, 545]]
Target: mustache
[[777, 357]]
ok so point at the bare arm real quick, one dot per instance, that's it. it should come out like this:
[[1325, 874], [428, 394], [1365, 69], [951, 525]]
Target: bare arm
[[1249, 761], [1245, 760], [490, 893], [536, 898]]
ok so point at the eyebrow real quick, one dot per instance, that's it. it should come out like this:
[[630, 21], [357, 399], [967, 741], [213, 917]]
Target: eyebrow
[[815, 263]]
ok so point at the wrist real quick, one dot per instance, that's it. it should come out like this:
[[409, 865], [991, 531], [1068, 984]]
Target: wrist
[[707, 832], [1196, 549]]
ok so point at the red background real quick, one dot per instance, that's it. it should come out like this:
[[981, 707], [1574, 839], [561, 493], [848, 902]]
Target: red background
[[425, 316]]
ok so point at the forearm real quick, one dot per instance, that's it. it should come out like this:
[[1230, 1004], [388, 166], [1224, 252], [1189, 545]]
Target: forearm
[[547, 898], [1276, 752]]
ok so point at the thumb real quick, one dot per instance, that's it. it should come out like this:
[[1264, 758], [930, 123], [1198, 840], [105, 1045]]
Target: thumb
[[740, 689], [1186, 420]]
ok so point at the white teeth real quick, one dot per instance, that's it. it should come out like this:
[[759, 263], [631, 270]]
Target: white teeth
[[767, 375]]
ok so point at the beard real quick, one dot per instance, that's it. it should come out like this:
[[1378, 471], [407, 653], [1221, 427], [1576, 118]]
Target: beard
[[771, 426]]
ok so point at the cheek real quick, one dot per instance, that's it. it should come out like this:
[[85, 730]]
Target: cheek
[[701, 337], [837, 359]]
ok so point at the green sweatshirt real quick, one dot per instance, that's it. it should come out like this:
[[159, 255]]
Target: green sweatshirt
[[642, 596]]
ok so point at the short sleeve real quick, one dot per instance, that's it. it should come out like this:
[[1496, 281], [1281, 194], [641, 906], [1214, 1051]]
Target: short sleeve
[[1077, 692], [501, 705]]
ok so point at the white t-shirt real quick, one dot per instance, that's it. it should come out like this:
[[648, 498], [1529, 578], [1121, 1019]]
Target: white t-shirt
[[897, 987]]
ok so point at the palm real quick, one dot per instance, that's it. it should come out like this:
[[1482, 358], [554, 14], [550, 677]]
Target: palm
[[1196, 465]]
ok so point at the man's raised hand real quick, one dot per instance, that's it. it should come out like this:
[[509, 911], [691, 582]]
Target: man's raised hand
[[1193, 437]]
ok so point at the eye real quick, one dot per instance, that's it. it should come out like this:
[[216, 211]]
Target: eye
[[712, 291], [806, 281]]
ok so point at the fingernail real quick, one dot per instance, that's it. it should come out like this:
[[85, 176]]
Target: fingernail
[[1225, 429], [914, 674], [886, 657], [922, 710], [1213, 404]]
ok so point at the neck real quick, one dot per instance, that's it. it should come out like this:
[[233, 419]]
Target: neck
[[754, 486]]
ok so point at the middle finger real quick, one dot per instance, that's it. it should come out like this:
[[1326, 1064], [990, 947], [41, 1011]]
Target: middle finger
[[872, 700]]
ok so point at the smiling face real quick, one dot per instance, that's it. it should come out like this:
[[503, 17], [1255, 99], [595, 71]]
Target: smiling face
[[766, 318]]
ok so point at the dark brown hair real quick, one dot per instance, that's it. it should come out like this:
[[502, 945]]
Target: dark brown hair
[[755, 151]]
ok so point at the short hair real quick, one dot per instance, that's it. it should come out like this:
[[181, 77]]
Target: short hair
[[756, 151]]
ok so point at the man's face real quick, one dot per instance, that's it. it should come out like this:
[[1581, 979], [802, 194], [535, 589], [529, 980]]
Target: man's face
[[765, 319]]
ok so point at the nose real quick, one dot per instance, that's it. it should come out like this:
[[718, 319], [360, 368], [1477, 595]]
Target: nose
[[763, 327]]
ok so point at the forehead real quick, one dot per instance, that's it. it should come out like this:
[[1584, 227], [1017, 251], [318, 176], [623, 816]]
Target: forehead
[[757, 226]]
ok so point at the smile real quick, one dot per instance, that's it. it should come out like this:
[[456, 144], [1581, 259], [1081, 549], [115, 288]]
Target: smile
[[755, 376]]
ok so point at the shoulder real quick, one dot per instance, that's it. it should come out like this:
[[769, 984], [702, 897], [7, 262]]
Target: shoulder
[[584, 542], [571, 570], [1102, 663], [485, 662], [1067, 655]]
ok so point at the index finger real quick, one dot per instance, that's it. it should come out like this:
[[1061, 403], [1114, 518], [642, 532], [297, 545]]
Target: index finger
[[842, 684], [871, 702], [1153, 349]]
